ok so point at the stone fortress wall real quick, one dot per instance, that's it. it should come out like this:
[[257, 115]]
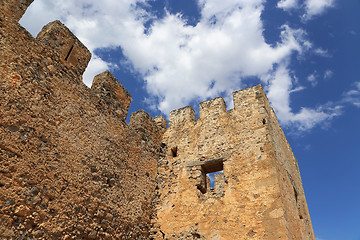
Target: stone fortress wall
[[72, 168], [259, 195]]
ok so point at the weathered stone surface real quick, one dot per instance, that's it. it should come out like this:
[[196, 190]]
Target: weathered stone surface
[[13, 10], [72, 168], [113, 96], [69, 169], [71, 51], [259, 195]]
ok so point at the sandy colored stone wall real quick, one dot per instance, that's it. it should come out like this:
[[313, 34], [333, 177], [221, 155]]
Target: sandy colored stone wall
[[70, 166], [248, 200], [296, 212]]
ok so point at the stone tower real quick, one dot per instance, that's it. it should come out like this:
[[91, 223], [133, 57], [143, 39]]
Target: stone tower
[[71, 167], [257, 192]]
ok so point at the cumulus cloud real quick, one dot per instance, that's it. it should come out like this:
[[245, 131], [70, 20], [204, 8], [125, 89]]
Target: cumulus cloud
[[181, 63], [288, 4], [316, 7], [310, 8]]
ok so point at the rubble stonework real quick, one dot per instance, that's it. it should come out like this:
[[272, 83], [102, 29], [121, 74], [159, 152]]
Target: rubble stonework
[[258, 195], [72, 168]]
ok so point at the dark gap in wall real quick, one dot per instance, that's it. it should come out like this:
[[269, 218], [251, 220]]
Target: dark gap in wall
[[296, 195], [68, 55], [174, 151], [298, 204], [196, 236]]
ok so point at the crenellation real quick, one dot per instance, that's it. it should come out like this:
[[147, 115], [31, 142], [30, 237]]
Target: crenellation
[[113, 95], [160, 122], [248, 149], [64, 154], [212, 108], [71, 51], [141, 120], [147, 129], [14, 9], [244, 98], [73, 169], [144, 124], [180, 117]]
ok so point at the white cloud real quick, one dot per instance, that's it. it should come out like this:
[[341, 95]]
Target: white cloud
[[310, 8], [182, 63], [297, 89], [321, 52], [312, 79], [328, 74], [287, 5], [280, 85], [353, 96], [98, 24], [316, 7], [96, 66]]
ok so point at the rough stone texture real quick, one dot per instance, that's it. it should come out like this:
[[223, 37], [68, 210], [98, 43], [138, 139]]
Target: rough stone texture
[[259, 195], [113, 96], [13, 9], [72, 52], [72, 168]]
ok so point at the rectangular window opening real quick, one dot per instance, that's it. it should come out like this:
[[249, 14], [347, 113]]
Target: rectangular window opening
[[213, 177]]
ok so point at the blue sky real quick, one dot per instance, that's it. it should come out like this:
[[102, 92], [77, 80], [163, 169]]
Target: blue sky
[[306, 54]]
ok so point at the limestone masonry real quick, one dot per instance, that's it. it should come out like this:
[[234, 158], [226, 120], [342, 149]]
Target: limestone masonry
[[72, 168]]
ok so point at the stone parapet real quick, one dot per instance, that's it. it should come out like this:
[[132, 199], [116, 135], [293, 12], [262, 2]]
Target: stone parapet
[[13, 10], [212, 108], [229, 175], [181, 116], [160, 122], [72, 52], [245, 102], [113, 95], [71, 168], [141, 120]]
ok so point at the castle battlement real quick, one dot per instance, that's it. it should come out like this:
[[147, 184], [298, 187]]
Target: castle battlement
[[141, 120], [247, 146], [14, 9], [72, 52], [212, 108], [215, 108], [243, 98], [160, 122], [71, 168], [113, 95], [180, 117]]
